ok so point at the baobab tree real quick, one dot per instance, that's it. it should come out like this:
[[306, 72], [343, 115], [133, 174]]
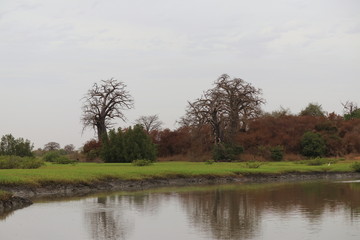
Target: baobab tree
[[149, 123], [227, 108], [206, 110], [103, 103], [52, 146], [241, 102]]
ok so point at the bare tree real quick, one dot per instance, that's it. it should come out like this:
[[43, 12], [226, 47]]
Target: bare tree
[[103, 103], [149, 123], [349, 107], [227, 108], [206, 110], [70, 148], [351, 110], [52, 146], [240, 100]]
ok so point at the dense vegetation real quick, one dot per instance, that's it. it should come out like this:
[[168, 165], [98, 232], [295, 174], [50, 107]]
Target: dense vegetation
[[128, 145], [9, 162], [17, 147]]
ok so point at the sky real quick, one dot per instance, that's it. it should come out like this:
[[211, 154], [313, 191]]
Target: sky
[[167, 53]]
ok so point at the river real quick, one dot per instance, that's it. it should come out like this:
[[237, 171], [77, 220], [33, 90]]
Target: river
[[304, 210]]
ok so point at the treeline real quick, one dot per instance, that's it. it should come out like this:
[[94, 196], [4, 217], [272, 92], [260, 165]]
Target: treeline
[[225, 123], [308, 136], [268, 137], [9, 145]]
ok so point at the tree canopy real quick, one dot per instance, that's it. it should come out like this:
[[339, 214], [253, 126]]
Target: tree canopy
[[149, 123], [103, 103], [227, 107], [128, 145], [313, 109], [18, 147]]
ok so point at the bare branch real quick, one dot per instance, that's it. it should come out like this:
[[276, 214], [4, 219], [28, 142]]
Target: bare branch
[[150, 123], [227, 107], [104, 102]]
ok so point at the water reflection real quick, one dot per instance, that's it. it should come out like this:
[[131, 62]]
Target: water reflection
[[113, 217], [236, 213], [315, 210], [226, 212]]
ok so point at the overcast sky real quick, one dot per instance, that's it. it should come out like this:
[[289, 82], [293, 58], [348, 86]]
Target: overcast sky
[[168, 52]]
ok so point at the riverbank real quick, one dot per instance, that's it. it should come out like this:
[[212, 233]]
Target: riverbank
[[54, 189], [55, 180], [8, 202]]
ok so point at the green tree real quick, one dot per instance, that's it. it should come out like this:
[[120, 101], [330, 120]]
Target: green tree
[[313, 145], [112, 149], [351, 110], [18, 147], [138, 145], [7, 145], [313, 109], [23, 148], [354, 114], [128, 145]]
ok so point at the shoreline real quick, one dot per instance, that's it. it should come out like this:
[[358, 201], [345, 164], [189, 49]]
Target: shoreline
[[54, 190], [14, 203], [24, 194]]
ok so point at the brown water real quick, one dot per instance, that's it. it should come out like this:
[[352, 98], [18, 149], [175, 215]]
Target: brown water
[[314, 210]]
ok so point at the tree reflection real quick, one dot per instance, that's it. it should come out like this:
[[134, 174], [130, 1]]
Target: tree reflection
[[224, 212], [236, 213], [227, 214], [109, 218], [105, 221]]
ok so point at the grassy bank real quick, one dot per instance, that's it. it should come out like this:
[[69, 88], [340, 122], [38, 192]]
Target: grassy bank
[[92, 172]]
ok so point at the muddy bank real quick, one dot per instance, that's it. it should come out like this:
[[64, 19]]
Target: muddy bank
[[13, 203], [80, 189]]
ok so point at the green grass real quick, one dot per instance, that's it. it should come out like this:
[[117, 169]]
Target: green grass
[[92, 172]]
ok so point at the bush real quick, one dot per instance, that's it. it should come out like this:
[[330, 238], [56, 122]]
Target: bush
[[353, 115], [127, 146], [51, 156], [11, 162], [142, 162], [356, 166], [264, 152], [58, 157], [253, 164], [277, 153], [92, 149], [226, 152], [209, 162], [64, 160], [313, 145]]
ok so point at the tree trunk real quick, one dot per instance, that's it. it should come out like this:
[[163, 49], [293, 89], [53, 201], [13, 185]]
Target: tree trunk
[[101, 130]]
